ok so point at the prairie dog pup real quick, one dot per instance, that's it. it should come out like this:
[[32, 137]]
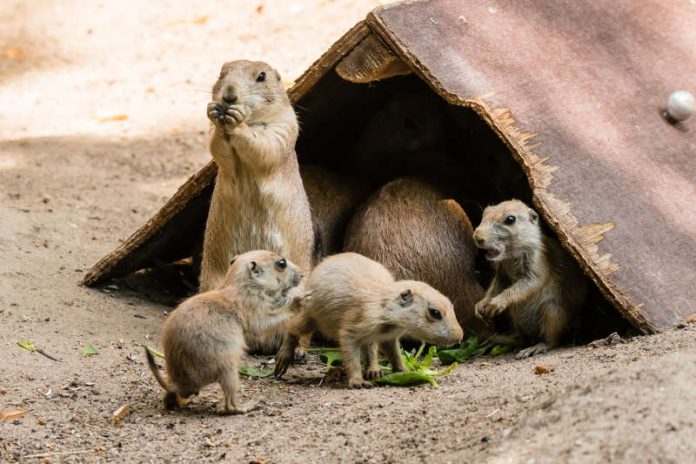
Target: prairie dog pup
[[535, 281], [258, 201], [356, 301], [415, 231], [204, 338]]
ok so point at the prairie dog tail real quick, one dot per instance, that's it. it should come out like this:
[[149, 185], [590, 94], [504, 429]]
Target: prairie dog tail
[[171, 398], [155, 371]]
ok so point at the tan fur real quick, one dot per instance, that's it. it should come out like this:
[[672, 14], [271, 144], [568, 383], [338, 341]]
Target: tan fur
[[536, 281], [258, 201], [356, 301], [334, 198], [204, 338], [411, 228]]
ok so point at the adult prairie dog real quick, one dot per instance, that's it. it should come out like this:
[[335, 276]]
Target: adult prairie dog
[[334, 198], [536, 281], [356, 301], [258, 201], [412, 228], [204, 338]]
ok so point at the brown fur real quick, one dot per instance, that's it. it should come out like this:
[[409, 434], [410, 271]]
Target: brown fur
[[258, 201], [536, 282], [411, 228], [204, 338], [333, 199], [356, 301]]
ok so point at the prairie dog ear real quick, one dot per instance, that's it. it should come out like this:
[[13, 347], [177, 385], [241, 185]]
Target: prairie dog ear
[[233, 260], [406, 297], [277, 74], [533, 216]]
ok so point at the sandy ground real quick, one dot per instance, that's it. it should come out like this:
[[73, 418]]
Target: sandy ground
[[102, 116]]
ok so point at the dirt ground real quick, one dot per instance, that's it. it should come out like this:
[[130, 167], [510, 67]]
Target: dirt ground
[[126, 84]]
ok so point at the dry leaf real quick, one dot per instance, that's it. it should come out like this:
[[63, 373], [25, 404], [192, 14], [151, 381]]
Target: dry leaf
[[288, 84], [119, 414], [12, 414], [541, 369], [27, 345], [117, 117], [14, 53], [201, 20]]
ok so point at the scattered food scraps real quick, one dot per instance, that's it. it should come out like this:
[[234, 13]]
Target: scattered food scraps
[[540, 369], [117, 117], [119, 414], [89, 351], [418, 372], [13, 414]]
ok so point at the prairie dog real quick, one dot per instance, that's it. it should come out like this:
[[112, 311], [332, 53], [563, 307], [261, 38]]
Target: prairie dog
[[356, 301], [333, 199], [204, 338], [536, 281], [416, 232], [258, 201]]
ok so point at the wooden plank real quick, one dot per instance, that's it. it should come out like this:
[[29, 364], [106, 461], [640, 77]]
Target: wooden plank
[[575, 89]]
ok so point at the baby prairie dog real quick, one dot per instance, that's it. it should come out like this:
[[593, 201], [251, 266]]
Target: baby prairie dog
[[536, 281], [205, 337], [356, 301], [258, 201]]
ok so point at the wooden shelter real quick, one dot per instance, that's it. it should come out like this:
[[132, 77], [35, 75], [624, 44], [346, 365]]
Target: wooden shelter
[[559, 103]]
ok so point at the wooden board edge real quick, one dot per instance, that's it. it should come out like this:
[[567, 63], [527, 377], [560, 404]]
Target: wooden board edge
[[191, 188]]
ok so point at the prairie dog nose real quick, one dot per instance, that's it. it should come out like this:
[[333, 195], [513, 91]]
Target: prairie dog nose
[[229, 96], [478, 239]]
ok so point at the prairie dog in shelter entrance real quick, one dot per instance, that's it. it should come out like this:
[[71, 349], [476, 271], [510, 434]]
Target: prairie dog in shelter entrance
[[258, 201], [356, 301], [204, 338], [536, 282]]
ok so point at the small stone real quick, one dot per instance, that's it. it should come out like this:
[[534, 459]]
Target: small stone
[[681, 105]]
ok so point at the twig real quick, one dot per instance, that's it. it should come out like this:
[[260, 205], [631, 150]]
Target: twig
[[58, 453], [40, 351]]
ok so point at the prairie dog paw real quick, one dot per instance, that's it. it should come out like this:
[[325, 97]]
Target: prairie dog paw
[[532, 351], [492, 309], [235, 115], [360, 383], [372, 374], [216, 113]]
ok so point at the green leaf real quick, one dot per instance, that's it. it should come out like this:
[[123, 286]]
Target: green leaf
[[330, 357], [471, 348], [432, 351], [154, 352], [497, 350], [27, 345], [89, 351], [405, 379], [252, 371]]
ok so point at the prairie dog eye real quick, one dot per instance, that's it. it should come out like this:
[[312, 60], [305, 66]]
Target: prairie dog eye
[[435, 314], [281, 264], [510, 220], [261, 77]]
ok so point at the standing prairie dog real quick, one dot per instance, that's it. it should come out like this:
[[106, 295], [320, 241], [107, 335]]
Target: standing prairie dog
[[258, 201], [356, 301], [536, 282], [412, 228], [204, 338]]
